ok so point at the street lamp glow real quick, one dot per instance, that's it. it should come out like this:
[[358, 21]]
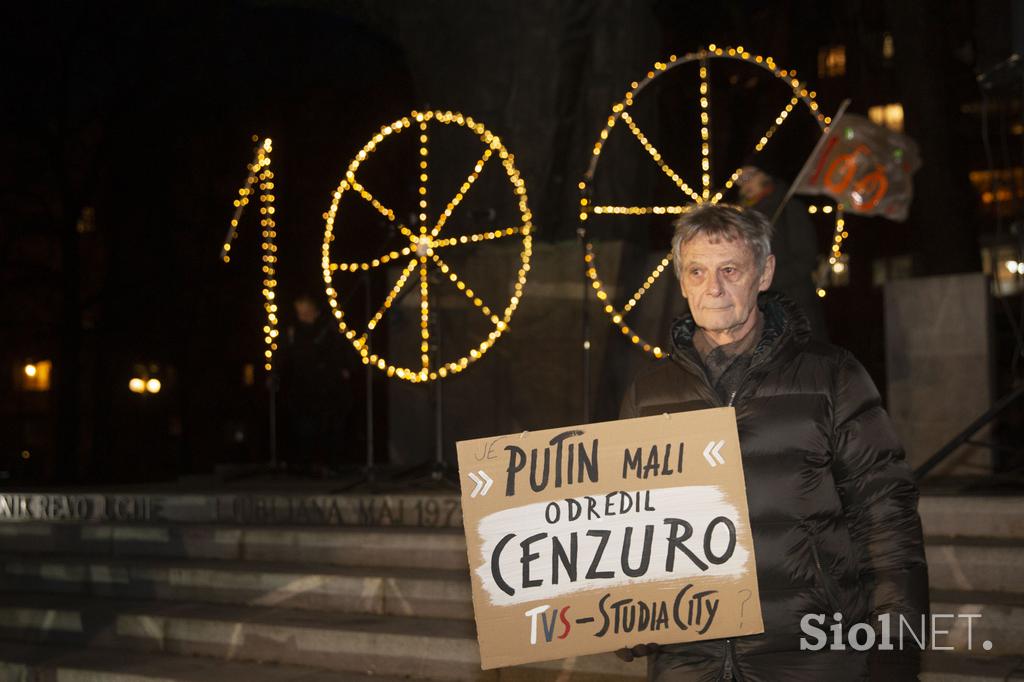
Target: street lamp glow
[[153, 385], [31, 370], [137, 385]]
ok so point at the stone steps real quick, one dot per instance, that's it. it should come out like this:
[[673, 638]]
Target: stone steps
[[377, 645], [945, 667], [358, 590], [425, 647], [39, 663], [951, 516], [958, 564], [428, 593], [1000, 620], [399, 547], [975, 546]]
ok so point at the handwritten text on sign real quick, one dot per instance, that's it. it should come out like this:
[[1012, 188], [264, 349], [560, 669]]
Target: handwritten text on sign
[[590, 538]]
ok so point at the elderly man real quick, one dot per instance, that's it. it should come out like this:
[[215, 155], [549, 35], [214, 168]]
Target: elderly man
[[832, 502]]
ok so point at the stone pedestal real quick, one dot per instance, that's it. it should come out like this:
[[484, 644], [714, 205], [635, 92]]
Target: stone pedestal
[[939, 357]]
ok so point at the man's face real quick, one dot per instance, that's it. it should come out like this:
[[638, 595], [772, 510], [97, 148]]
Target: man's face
[[753, 183], [306, 310], [721, 282]]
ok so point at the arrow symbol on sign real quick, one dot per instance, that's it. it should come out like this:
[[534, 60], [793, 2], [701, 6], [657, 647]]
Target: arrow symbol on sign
[[712, 454], [483, 483]]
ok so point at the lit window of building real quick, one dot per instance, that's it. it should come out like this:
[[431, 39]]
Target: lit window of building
[[888, 115], [34, 375], [145, 379], [1004, 187], [831, 61], [888, 269], [1005, 265], [888, 51]]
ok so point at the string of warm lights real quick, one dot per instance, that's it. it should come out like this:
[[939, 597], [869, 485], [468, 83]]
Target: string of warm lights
[[467, 183], [465, 289], [779, 120], [376, 262], [650, 149], [424, 244], [424, 315], [620, 110], [241, 202], [648, 283], [423, 177], [589, 259], [637, 210], [705, 132], [485, 236], [386, 212], [840, 233], [390, 298], [838, 237], [262, 176]]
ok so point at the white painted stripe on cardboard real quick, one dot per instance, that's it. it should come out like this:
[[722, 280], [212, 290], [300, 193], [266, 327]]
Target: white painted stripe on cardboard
[[696, 504]]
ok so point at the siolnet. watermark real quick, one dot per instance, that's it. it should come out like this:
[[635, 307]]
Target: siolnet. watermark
[[893, 633]]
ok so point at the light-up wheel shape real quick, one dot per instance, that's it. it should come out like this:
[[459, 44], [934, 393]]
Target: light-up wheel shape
[[620, 116], [426, 244]]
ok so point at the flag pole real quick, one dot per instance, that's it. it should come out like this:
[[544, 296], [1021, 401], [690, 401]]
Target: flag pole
[[807, 164]]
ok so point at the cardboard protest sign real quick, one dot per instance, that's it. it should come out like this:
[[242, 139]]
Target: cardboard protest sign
[[590, 538]]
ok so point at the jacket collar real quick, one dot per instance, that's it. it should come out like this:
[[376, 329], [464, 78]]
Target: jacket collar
[[784, 325]]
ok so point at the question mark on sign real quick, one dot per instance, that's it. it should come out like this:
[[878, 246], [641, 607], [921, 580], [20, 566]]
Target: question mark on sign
[[744, 603]]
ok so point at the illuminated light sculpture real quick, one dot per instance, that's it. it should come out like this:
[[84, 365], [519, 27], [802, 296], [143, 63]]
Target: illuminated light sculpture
[[426, 243], [707, 192], [262, 177]]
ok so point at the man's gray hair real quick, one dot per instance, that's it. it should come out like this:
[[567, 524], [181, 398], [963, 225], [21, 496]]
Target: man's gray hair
[[723, 221]]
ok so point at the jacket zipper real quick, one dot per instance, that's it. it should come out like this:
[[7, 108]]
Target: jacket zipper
[[711, 392], [832, 601], [728, 663], [727, 666], [765, 365]]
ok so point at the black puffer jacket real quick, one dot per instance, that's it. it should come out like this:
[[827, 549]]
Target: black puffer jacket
[[833, 505]]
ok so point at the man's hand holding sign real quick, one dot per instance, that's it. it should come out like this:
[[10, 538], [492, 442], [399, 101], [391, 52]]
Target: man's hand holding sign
[[598, 537]]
